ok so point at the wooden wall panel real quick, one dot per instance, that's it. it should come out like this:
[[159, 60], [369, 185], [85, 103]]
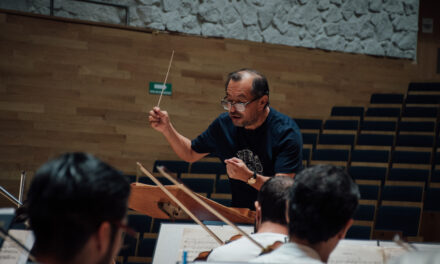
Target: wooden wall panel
[[66, 86]]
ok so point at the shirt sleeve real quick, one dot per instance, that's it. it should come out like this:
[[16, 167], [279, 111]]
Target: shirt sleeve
[[205, 142], [289, 158]]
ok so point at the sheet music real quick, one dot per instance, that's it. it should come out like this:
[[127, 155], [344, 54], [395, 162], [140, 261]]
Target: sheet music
[[10, 253], [359, 254], [196, 240]]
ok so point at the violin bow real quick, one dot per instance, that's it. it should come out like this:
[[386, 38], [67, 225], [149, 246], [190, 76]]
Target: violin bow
[[207, 206], [184, 208]]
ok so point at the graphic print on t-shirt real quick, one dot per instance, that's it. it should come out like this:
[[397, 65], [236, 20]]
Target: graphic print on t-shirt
[[251, 160]]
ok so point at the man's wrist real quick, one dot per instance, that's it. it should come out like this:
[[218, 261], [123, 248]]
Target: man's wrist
[[253, 179]]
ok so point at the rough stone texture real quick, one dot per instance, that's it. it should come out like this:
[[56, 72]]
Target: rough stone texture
[[254, 34], [383, 27], [171, 5], [209, 12], [173, 21], [213, 30], [375, 5], [230, 15], [249, 16], [376, 27], [235, 30], [361, 7], [333, 15], [393, 6], [280, 19], [331, 29], [353, 46], [191, 25], [336, 2], [265, 16]]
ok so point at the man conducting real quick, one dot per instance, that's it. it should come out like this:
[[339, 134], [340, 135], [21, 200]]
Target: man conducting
[[254, 140]]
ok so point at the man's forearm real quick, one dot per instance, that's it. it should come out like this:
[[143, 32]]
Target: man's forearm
[[262, 179], [181, 145]]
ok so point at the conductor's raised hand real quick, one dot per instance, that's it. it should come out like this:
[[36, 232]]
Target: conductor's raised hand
[[159, 119]]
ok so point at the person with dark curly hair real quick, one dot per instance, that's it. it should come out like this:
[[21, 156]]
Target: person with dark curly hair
[[322, 202]]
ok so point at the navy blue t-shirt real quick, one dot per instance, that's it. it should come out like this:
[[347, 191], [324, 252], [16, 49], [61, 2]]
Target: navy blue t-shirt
[[274, 147]]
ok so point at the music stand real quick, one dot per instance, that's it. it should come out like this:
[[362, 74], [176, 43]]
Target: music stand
[[152, 201]]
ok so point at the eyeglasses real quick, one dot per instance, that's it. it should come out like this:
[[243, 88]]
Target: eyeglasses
[[239, 106], [125, 229]]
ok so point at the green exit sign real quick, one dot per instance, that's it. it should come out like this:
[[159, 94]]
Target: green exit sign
[[156, 88]]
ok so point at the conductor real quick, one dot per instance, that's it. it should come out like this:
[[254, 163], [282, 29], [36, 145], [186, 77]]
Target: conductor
[[254, 140]]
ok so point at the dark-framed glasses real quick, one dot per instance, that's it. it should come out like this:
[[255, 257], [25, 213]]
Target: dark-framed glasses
[[239, 106], [125, 229]]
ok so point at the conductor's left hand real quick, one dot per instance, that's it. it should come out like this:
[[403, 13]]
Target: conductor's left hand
[[237, 169]]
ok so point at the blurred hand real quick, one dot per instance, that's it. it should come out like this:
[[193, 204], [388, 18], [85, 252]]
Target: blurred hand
[[237, 169]]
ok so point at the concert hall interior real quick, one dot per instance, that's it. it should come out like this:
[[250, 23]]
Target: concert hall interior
[[71, 82]]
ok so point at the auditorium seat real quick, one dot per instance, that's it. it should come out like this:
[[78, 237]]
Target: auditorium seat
[[412, 157], [348, 111], [216, 168], [432, 199], [387, 98], [129, 247], [397, 173], [307, 125], [416, 125], [160, 178], [412, 98], [382, 112], [411, 192], [400, 218], [309, 140], [359, 232], [369, 189], [306, 154], [372, 125], [364, 218], [176, 166], [365, 171], [131, 178], [344, 141], [223, 185], [420, 111], [415, 141], [338, 157], [424, 87], [222, 198], [341, 125], [139, 223], [366, 212], [377, 141], [199, 183], [370, 155], [147, 246], [435, 177]]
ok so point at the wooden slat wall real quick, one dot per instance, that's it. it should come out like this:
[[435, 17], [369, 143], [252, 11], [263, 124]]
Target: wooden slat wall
[[66, 86]]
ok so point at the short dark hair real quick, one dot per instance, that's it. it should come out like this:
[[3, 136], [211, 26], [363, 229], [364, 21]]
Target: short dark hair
[[272, 198], [260, 87], [323, 199], [69, 198]]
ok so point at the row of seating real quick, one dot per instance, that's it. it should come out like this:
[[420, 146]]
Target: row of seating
[[396, 206], [393, 157]]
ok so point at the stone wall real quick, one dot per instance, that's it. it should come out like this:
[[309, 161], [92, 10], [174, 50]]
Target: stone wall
[[375, 27]]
